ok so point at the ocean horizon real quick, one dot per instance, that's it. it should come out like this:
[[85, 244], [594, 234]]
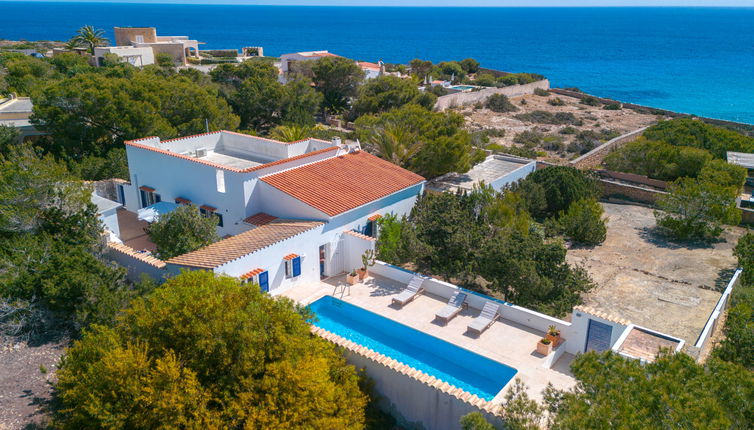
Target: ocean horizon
[[697, 60]]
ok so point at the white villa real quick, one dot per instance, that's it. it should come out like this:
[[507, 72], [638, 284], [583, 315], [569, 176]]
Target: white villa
[[290, 213]]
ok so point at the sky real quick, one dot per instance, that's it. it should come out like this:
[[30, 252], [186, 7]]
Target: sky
[[477, 3]]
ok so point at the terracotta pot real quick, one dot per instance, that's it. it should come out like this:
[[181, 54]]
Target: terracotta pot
[[554, 339], [363, 273], [352, 279], [544, 349]]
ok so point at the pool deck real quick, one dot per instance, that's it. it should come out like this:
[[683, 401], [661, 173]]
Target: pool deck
[[505, 341]]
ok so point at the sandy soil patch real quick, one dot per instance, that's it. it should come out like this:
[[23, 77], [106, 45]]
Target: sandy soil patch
[[651, 282], [593, 118]]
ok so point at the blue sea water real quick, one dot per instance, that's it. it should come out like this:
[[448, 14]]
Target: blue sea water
[[694, 60], [447, 362]]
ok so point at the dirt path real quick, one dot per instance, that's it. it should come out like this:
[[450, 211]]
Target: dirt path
[[24, 388]]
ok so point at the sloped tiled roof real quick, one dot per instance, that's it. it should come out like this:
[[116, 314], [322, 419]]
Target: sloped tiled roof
[[342, 183], [260, 218], [248, 242]]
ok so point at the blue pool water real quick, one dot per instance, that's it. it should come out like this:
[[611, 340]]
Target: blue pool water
[[697, 60], [447, 362], [462, 87]]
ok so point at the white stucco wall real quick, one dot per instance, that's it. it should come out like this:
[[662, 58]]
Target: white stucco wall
[[110, 219], [139, 57], [514, 176]]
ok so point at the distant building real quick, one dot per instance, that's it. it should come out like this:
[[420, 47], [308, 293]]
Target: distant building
[[179, 47], [15, 112], [497, 170], [371, 70], [136, 56]]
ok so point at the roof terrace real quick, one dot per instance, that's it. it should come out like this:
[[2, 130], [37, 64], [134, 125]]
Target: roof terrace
[[230, 150]]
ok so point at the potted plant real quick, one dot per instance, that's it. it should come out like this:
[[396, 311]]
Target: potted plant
[[352, 278], [544, 346], [367, 260], [553, 334]]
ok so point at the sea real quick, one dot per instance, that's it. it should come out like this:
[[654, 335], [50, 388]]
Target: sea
[[692, 60]]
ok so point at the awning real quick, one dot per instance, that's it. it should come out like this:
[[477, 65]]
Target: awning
[[152, 212]]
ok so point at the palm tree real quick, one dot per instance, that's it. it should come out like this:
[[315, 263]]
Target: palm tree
[[90, 36], [72, 44], [395, 143], [290, 133]]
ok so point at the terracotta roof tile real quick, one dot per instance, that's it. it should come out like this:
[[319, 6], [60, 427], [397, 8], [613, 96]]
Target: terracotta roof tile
[[253, 273], [339, 184], [374, 217], [259, 218], [182, 201], [248, 242], [208, 208], [147, 189], [290, 257]]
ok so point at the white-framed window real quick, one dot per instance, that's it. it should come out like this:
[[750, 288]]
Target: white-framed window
[[139, 38], [148, 196], [220, 179]]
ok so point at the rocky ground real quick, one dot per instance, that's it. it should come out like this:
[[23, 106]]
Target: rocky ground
[[604, 124], [26, 373]]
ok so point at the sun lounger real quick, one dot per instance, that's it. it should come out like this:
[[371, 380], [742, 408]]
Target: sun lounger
[[413, 289], [485, 319], [453, 307]]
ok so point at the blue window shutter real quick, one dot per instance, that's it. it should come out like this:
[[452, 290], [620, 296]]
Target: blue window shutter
[[264, 281], [296, 266], [143, 196]]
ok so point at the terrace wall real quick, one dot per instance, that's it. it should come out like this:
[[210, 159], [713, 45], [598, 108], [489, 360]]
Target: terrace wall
[[594, 157], [136, 263], [473, 97], [722, 304]]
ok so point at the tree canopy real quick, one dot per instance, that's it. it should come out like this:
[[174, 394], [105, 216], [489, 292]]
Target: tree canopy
[[337, 79], [182, 230], [388, 92], [443, 145], [203, 351], [547, 192]]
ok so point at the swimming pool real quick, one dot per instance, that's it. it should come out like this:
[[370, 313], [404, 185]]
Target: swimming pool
[[462, 87], [445, 361]]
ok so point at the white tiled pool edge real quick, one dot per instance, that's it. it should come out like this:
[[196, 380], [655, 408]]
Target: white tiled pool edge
[[461, 395]]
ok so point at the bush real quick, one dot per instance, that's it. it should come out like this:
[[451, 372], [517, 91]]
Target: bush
[[583, 222], [182, 230], [696, 210], [484, 80], [658, 160], [553, 143], [541, 92], [514, 150], [528, 138], [612, 106], [689, 132], [590, 101], [204, 351], [500, 103], [557, 101], [544, 117], [568, 130], [549, 191]]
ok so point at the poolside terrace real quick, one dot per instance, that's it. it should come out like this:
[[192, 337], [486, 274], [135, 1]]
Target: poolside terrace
[[505, 341]]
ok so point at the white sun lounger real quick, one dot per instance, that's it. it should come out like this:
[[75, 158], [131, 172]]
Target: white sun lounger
[[453, 307], [485, 319], [413, 289]]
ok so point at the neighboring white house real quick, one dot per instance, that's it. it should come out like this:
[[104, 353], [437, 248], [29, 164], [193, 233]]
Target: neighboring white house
[[291, 212], [137, 56], [371, 70]]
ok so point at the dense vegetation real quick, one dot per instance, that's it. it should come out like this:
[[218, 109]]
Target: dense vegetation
[[53, 272], [491, 242], [182, 230], [692, 154], [249, 361]]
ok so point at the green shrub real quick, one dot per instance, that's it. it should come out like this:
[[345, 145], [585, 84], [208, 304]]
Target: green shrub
[[590, 101], [553, 143], [513, 150], [541, 92], [528, 138], [500, 103], [484, 80], [544, 117], [583, 222], [612, 106], [557, 101], [568, 130], [549, 191]]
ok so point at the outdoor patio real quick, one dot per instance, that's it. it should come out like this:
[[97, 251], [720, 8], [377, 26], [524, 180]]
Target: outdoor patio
[[505, 341]]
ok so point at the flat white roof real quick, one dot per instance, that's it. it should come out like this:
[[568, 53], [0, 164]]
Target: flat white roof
[[491, 169], [741, 159]]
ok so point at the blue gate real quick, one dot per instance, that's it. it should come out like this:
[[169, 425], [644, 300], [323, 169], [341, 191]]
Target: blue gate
[[598, 336]]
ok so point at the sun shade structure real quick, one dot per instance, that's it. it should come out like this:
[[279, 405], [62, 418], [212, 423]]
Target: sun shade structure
[[153, 212], [342, 183], [248, 242]]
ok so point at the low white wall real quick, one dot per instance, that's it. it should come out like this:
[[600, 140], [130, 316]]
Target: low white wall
[[722, 304], [472, 97], [414, 403], [356, 245], [445, 290]]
